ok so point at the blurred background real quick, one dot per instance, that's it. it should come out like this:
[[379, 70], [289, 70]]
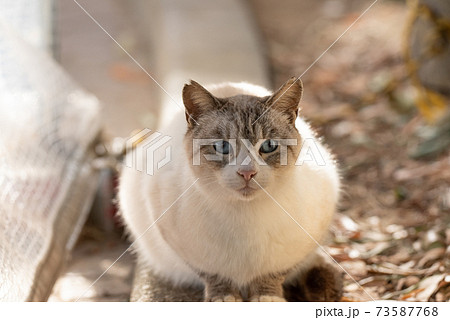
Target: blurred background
[[379, 96]]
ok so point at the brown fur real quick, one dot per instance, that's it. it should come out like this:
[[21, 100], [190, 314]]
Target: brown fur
[[319, 284], [266, 286], [219, 289]]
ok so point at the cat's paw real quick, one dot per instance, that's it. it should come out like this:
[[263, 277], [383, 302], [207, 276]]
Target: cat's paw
[[265, 298], [226, 298]]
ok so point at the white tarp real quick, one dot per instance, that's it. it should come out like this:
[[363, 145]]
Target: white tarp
[[46, 126]]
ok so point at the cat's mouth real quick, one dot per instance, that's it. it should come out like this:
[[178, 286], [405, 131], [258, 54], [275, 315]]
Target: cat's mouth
[[247, 191]]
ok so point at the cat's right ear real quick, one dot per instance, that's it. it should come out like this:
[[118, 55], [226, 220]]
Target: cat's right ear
[[196, 100]]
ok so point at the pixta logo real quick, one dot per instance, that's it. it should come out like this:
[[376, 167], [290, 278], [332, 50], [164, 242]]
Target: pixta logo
[[310, 151], [144, 151]]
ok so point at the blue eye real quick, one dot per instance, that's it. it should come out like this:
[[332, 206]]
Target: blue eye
[[222, 147], [268, 146]]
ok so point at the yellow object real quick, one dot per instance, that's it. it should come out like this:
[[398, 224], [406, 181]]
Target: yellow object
[[430, 103]]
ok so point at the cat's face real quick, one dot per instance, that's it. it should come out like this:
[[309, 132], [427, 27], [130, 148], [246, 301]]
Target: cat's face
[[241, 144]]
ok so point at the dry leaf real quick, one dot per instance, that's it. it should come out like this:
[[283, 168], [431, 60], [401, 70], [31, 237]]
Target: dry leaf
[[429, 286], [431, 255], [411, 294]]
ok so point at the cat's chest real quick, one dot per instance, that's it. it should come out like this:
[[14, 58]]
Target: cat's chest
[[239, 242]]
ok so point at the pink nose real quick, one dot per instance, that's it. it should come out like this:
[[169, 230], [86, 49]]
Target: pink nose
[[247, 174]]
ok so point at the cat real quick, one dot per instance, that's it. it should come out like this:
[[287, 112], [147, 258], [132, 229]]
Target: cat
[[243, 224]]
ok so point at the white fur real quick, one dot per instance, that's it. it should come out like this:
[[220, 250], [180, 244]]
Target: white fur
[[211, 229]]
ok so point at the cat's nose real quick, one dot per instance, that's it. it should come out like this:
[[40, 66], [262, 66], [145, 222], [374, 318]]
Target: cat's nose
[[247, 174]]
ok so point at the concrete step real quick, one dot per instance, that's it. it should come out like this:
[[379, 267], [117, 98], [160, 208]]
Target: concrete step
[[207, 41]]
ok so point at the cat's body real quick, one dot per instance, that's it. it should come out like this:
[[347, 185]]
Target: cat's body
[[211, 227]]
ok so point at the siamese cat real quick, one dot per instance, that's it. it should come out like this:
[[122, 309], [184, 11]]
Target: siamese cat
[[244, 202]]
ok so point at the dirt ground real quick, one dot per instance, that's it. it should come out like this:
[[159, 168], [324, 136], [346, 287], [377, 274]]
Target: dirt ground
[[392, 230]]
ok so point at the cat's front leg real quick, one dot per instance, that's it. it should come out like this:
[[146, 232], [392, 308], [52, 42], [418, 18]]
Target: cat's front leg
[[267, 288], [218, 289]]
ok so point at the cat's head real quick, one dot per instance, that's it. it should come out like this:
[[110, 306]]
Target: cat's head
[[240, 144]]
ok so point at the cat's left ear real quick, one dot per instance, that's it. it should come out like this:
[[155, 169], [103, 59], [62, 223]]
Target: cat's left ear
[[196, 100], [287, 98]]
